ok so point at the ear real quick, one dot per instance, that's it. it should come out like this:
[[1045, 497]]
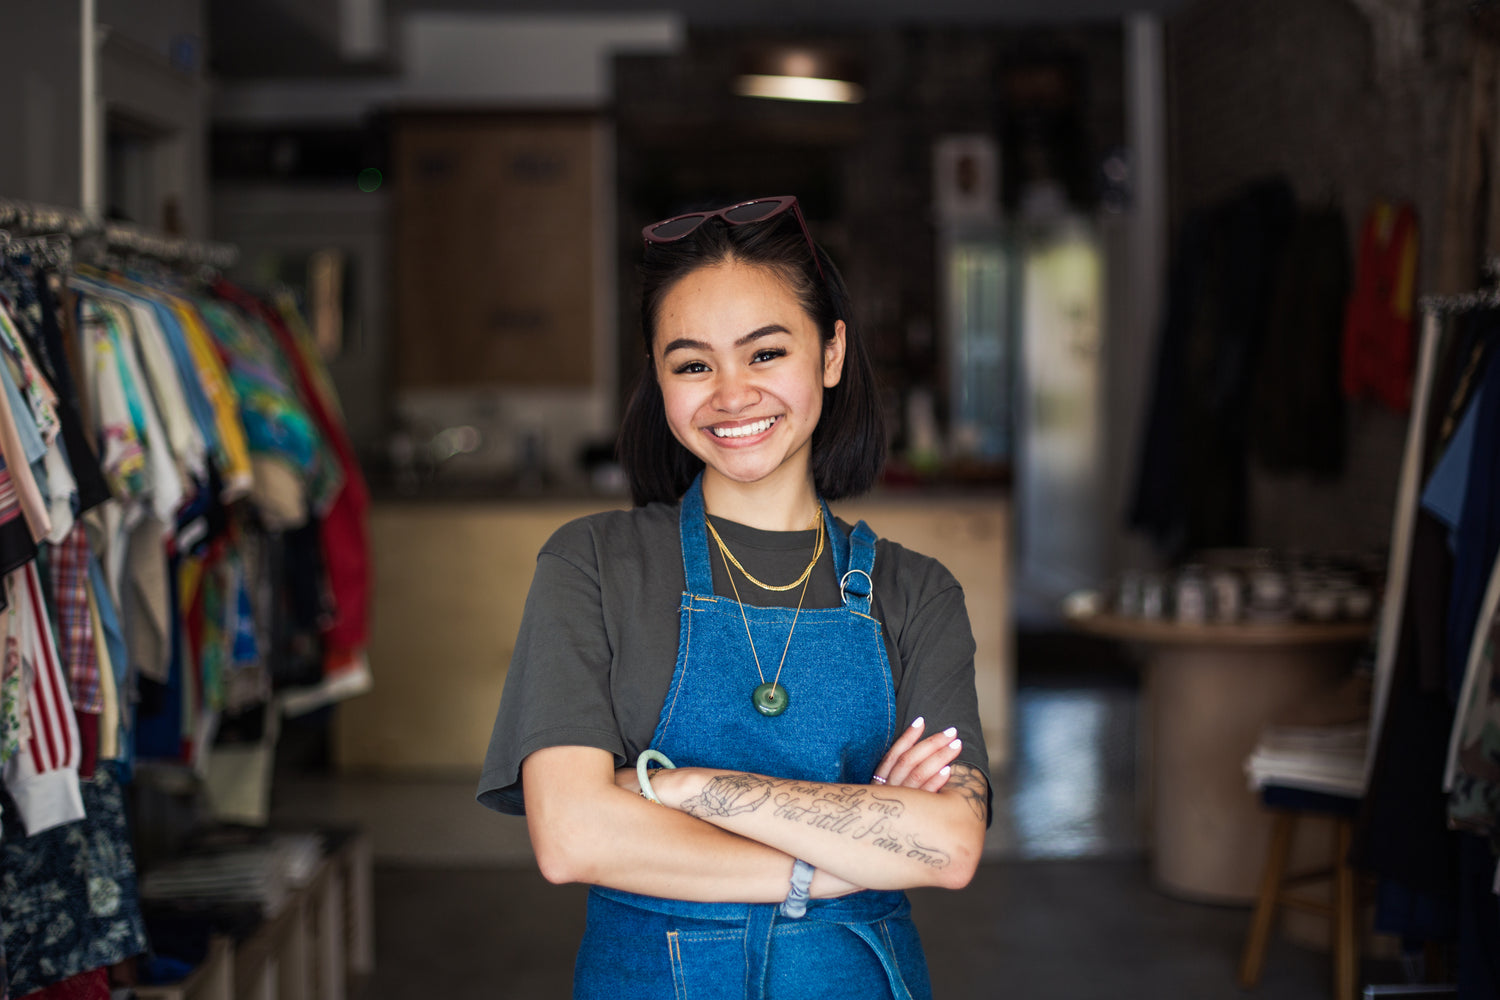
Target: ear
[[833, 356]]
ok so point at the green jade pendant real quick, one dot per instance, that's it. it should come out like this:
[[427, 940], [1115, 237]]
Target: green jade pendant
[[770, 699]]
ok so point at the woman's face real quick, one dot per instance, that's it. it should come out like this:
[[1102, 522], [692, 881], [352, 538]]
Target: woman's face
[[742, 372]]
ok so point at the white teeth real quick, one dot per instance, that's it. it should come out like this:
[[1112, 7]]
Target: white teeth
[[745, 431]]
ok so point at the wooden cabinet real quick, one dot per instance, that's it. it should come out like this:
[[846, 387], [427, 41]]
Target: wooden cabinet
[[494, 250]]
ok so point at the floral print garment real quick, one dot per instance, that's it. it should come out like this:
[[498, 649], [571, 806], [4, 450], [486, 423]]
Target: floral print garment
[[68, 898]]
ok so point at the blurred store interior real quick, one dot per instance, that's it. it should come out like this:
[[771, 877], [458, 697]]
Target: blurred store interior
[[1104, 251]]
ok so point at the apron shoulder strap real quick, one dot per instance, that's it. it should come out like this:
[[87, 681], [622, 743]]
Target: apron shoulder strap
[[856, 583], [696, 569]]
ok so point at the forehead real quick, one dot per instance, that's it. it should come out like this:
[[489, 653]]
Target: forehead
[[728, 294]]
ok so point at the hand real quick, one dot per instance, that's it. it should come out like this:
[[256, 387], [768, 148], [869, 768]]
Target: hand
[[913, 762], [626, 778]]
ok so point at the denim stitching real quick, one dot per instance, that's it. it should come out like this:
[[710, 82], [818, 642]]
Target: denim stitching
[[688, 646], [765, 959], [674, 953], [890, 949]]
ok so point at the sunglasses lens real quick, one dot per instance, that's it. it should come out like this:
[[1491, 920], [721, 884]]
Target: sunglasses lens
[[676, 229], [755, 211]]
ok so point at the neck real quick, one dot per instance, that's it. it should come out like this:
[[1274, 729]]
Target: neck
[[769, 507]]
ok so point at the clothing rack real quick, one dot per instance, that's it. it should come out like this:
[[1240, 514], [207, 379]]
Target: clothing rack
[[55, 249], [73, 229], [1433, 309], [1485, 297]]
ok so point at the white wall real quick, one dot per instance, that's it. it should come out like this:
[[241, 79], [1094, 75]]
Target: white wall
[[468, 60]]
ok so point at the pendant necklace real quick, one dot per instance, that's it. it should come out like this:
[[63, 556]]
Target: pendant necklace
[[769, 698]]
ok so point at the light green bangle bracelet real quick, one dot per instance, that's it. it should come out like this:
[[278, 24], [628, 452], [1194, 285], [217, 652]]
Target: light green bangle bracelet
[[646, 757]]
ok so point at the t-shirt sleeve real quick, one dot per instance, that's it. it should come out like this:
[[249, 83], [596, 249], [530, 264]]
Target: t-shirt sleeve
[[557, 692], [936, 648]]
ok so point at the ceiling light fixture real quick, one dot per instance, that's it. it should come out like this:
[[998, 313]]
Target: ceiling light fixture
[[798, 74]]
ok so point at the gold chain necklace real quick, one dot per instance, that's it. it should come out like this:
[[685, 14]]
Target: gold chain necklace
[[729, 556], [768, 698]]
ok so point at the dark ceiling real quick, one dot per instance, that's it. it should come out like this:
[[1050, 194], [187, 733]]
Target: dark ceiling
[[721, 13], [297, 38]]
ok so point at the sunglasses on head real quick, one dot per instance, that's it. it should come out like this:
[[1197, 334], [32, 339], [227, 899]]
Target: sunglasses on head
[[681, 226]]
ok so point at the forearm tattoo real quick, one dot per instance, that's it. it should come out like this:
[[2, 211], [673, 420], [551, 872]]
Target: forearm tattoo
[[860, 813], [968, 781]]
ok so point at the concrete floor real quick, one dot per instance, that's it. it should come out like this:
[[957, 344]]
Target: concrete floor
[[1062, 906]]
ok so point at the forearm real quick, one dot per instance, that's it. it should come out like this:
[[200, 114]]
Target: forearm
[[586, 829], [878, 837]]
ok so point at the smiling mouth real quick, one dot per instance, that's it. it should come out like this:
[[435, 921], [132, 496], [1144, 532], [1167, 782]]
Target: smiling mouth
[[744, 430]]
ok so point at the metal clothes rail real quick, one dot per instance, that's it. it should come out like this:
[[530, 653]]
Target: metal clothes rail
[[1485, 297], [67, 232]]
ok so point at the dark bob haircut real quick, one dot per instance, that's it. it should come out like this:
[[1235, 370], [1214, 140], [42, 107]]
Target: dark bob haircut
[[848, 445]]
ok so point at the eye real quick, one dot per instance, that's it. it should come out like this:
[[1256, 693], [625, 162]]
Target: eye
[[768, 354], [690, 368]]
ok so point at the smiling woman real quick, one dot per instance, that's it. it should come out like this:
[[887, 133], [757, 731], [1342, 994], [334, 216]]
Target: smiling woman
[[742, 371], [803, 789]]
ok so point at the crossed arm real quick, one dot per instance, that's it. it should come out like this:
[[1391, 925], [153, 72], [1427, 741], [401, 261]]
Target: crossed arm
[[728, 835]]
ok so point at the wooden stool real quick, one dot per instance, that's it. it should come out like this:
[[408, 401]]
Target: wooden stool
[[1276, 886]]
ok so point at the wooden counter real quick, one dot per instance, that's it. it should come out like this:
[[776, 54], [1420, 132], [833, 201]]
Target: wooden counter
[[1210, 691], [451, 580]]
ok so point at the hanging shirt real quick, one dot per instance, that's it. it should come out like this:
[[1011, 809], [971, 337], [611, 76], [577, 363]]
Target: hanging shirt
[[68, 573], [22, 446], [1379, 347], [168, 487], [233, 452], [42, 777], [122, 456], [182, 435]]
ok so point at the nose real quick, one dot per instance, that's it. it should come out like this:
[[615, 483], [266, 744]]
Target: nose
[[735, 391]]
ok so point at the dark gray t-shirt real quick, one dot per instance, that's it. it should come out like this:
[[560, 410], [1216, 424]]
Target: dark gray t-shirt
[[598, 641]]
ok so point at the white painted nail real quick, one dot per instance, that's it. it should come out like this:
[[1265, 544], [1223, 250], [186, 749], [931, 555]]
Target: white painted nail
[[950, 732], [946, 771], [917, 722], [956, 745]]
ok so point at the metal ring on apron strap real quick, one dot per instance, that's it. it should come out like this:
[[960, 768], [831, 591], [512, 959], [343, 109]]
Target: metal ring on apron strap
[[844, 585]]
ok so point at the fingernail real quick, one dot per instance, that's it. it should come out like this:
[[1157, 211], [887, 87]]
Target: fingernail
[[917, 722], [956, 745], [950, 731], [946, 771]]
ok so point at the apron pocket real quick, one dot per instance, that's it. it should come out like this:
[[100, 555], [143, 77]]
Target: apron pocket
[[707, 965]]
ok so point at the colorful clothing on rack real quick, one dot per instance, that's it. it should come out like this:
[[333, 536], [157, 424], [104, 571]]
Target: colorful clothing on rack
[[43, 328], [342, 529], [277, 425]]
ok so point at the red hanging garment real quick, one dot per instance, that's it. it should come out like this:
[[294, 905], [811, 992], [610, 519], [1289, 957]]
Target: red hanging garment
[[1379, 336]]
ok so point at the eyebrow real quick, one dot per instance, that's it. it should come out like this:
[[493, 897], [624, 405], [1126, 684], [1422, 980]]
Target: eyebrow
[[687, 343]]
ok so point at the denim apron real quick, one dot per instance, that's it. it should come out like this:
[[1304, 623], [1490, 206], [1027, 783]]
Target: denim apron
[[839, 722]]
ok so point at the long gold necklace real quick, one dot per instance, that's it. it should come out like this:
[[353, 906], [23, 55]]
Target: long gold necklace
[[769, 698]]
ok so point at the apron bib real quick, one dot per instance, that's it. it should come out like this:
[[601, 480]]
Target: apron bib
[[838, 723]]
